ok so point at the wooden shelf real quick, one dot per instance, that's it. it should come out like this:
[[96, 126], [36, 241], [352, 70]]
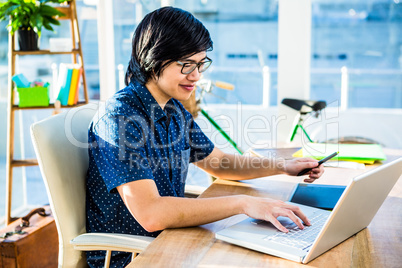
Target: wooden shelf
[[66, 10], [24, 163], [45, 52], [76, 56], [51, 106]]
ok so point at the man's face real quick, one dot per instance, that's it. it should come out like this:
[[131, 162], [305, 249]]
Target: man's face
[[172, 83]]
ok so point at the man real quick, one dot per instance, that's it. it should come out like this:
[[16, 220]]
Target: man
[[143, 141]]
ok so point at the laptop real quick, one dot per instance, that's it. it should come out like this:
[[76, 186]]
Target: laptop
[[354, 210]]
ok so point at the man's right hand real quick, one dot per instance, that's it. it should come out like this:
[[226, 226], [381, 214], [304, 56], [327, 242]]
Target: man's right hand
[[268, 209]]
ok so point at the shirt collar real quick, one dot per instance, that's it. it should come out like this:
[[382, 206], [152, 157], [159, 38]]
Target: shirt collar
[[152, 107]]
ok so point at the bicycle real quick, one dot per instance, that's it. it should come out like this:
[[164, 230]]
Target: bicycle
[[194, 106], [206, 86]]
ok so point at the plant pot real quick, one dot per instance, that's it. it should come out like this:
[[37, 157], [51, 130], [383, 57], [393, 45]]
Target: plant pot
[[28, 39]]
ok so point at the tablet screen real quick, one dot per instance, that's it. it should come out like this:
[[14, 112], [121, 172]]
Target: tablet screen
[[317, 195]]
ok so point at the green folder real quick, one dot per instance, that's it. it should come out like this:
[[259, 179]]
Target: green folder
[[364, 153]]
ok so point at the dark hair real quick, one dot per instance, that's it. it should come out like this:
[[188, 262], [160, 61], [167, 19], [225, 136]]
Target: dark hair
[[165, 35]]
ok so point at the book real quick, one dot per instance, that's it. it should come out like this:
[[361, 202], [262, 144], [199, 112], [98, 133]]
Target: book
[[20, 80], [77, 92], [362, 153], [68, 83], [63, 83], [73, 85]]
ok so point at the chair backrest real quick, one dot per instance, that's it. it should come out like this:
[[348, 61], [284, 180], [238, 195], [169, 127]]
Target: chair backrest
[[61, 147]]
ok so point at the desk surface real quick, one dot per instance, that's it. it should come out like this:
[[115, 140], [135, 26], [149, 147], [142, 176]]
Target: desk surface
[[379, 245]]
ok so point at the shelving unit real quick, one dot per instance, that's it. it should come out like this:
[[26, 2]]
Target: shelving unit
[[69, 9]]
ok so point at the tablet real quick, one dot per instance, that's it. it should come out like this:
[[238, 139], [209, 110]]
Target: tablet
[[317, 195]]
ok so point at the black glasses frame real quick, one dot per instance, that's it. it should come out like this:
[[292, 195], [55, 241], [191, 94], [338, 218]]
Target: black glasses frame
[[196, 65]]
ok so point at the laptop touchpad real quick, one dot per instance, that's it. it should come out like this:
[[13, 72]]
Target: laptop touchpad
[[288, 223]]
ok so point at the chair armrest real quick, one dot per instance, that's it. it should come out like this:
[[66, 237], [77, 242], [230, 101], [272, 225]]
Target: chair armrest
[[109, 241], [193, 190]]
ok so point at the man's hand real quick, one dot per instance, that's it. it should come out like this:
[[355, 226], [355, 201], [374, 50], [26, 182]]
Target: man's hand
[[294, 166], [268, 209]]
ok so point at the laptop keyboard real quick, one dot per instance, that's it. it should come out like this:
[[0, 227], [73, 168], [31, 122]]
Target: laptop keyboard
[[297, 238]]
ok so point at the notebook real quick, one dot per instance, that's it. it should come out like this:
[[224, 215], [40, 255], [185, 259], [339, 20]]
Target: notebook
[[355, 209], [362, 153]]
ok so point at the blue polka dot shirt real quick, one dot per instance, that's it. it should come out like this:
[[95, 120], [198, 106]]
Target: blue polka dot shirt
[[132, 138]]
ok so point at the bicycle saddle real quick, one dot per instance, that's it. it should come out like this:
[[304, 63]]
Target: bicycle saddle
[[305, 106]]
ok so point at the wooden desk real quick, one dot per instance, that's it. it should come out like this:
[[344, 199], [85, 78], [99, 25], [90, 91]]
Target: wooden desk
[[379, 245]]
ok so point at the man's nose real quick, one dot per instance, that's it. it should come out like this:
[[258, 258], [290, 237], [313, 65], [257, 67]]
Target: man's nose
[[194, 75]]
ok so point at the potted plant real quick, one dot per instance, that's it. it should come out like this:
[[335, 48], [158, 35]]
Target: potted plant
[[27, 17]]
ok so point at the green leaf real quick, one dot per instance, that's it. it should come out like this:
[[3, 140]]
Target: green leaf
[[47, 10], [30, 13], [52, 21], [48, 27]]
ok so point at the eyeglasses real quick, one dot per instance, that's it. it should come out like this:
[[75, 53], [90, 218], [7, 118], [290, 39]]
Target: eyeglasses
[[188, 67]]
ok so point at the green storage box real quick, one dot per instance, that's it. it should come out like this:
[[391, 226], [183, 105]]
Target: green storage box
[[33, 96]]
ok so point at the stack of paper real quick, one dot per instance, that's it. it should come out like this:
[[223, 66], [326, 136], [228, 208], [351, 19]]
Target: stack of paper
[[361, 153]]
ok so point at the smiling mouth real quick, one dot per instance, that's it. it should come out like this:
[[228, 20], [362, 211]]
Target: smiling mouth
[[188, 87]]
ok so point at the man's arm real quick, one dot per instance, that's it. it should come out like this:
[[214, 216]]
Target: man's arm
[[238, 167], [155, 212]]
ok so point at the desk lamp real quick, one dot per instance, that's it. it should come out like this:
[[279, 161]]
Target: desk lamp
[[304, 107]]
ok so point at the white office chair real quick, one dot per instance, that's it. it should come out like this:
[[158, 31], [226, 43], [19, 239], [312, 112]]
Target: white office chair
[[60, 144]]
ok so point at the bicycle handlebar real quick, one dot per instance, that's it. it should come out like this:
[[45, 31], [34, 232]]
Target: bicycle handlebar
[[224, 85]]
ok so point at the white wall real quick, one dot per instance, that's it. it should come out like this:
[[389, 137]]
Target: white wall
[[294, 54]]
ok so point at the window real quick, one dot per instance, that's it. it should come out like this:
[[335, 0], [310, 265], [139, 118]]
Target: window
[[244, 41], [366, 39]]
